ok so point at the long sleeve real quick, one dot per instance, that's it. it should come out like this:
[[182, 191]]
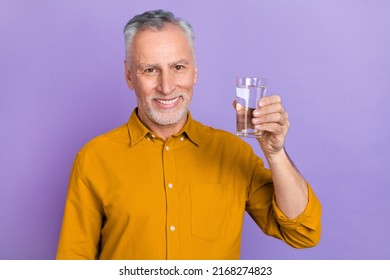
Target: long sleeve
[[82, 221], [302, 232]]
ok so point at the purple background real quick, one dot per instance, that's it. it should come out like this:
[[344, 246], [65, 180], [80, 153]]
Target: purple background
[[62, 83]]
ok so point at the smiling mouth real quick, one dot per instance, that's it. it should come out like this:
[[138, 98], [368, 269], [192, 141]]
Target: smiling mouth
[[168, 101]]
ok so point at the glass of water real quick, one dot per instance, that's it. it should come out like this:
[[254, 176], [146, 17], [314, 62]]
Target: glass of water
[[249, 90]]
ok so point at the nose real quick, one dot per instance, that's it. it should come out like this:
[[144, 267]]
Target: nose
[[166, 82]]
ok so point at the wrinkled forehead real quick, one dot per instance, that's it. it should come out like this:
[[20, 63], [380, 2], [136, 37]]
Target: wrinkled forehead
[[169, 41]]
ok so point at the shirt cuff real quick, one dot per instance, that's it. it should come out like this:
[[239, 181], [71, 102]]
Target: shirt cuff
[[309, 218]]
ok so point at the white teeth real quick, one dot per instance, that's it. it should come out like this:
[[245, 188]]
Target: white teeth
[[167, 102]]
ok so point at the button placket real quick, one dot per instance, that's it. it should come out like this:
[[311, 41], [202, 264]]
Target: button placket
[[171, 200]]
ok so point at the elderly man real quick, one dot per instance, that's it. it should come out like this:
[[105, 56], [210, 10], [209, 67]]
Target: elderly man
[[164, 186]]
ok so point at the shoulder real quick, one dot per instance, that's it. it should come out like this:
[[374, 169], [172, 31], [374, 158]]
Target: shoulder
[[227, 147], [220, 137], [117, 137]]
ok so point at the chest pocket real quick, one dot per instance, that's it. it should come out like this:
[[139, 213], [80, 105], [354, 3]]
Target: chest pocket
[[213, 216]]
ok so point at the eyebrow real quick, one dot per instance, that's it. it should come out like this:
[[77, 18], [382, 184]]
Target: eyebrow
[[147, 65], [180, 61]]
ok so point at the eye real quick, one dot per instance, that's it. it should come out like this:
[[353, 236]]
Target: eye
[[150, 71], [179, 67]]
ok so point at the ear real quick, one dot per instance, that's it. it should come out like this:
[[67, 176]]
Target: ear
[[195, 74], [129, 81]]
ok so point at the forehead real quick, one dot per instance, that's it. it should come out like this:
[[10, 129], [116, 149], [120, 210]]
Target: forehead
[[170, 42]]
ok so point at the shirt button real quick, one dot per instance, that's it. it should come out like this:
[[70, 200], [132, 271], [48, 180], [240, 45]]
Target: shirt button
[[170, 185], [153, 136], [172, 228], [167, 148], [182, 138]]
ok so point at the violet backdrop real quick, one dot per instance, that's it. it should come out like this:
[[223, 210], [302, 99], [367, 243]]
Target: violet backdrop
[[62, 83]]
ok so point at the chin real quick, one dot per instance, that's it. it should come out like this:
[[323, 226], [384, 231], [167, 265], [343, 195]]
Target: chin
[[168, 118]]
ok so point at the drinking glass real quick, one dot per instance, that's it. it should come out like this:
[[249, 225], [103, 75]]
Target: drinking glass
[[249, 90]]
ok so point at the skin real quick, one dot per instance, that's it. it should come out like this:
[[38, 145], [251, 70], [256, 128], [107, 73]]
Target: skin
[[291, 191], [162, 72]]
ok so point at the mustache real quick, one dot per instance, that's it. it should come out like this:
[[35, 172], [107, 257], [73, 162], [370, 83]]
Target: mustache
[[160, 95]]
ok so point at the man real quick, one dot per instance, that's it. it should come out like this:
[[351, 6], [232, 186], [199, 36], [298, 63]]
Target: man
[[164, 186]]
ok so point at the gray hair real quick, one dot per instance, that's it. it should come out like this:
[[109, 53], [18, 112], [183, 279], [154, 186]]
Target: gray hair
[[156, 19]]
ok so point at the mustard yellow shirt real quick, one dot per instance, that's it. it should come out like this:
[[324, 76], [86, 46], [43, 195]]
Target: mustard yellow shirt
[[133, 196]]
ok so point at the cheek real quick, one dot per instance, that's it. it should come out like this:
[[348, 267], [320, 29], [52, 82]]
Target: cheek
[[144, 87], [187, 81]]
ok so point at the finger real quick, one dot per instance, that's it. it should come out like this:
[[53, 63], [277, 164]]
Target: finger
[[271, 122], [268, 100], [237, 106], [273, 128], [280, 118], [269, 109]]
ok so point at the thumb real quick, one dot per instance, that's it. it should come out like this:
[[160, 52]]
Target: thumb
[[237, 106]]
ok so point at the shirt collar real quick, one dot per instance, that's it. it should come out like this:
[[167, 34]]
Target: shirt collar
[[190, 129], [138, 131]]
